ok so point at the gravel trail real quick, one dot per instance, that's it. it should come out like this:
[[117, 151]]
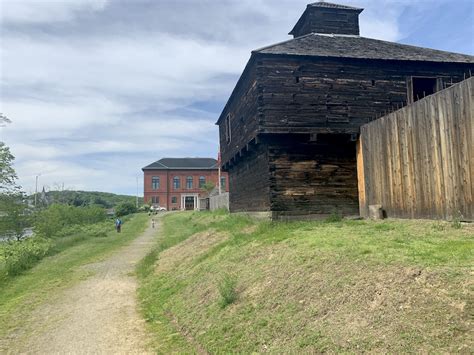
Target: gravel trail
[[96, 316]]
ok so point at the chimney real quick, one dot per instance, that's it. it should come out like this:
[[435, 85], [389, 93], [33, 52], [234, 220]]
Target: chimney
[[329, 18]]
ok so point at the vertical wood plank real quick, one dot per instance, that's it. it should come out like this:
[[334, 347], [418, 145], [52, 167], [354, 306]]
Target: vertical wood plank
[[419, 161]]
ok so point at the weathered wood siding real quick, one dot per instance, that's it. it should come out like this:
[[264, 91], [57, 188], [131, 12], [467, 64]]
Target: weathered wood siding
[[418, 162], [249, 182], [327, 20], [280, 96], [243, 116], [312, 178], [309, 95]]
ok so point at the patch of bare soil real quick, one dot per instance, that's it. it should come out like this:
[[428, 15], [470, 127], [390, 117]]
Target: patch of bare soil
[[99, 315], [189, 249]]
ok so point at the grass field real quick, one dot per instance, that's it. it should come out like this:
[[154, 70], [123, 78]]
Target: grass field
[[223, 283], [19, 295]]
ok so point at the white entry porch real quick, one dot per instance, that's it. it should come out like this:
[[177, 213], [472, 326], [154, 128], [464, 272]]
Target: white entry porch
[[189, 202]]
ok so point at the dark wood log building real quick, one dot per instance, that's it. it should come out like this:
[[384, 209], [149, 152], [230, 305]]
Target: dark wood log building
[[289, 130]]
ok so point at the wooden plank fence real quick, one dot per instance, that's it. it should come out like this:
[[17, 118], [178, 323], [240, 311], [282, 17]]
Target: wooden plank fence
[[418, 162]]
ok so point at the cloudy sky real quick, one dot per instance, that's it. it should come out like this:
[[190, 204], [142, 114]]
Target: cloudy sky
[[97, 89]]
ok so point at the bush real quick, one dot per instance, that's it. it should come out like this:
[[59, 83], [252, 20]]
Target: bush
[[456, 222], [19, 256], [56, 228], [227, 290], [125, 208], [50, 221], [144, 208], [97, 230]]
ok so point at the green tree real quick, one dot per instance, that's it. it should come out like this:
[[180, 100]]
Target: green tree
[[50, 221], [13, 207], [208, 186], [125, 208], [15, 216], [7, 172]]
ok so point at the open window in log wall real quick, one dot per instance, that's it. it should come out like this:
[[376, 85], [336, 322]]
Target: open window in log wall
[[420, 87]]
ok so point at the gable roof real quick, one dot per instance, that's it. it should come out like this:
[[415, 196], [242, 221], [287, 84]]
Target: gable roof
[[333, 6], [352, 46], [183, 164]]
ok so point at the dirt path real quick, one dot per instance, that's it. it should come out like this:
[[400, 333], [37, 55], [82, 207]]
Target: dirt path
[[98, 315]]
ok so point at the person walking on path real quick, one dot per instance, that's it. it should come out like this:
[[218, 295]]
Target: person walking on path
[[152, 223], [118, 225]]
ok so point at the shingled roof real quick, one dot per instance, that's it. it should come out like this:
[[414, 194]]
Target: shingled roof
[[351, 46], [334, 6], [183, 164]]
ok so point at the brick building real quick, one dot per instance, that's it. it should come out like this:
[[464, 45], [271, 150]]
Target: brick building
[[176, 183]]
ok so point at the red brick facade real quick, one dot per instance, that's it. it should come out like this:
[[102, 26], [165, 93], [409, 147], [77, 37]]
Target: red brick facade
[[165, 193]]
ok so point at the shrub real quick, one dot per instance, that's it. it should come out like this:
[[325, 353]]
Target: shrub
[[125, 208], [18, 256], [50, 221], [144, 208], [227, 290], [97, 230], [456, 222], [22, 255]]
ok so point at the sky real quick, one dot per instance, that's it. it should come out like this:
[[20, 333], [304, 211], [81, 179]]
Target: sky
[[98, 89]]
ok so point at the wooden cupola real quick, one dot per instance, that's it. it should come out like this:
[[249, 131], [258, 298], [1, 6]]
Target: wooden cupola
[[328, 18]]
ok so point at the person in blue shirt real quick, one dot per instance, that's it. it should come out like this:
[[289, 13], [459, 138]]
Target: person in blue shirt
[[118, 225]]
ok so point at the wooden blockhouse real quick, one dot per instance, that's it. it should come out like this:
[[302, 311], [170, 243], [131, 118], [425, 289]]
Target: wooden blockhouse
[[288, 132]]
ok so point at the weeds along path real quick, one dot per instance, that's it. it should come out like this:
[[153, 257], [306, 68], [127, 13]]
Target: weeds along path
[[97, 315]]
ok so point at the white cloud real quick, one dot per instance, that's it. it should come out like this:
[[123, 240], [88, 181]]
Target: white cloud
[[43, 119], [44, 11], [51, 172], [97, 89], [381, 23]]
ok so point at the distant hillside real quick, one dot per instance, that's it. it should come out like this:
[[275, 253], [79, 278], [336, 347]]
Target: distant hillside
[[84, 198]]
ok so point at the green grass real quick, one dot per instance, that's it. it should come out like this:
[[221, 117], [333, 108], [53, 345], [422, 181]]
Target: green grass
[[334, 286], [19, 295], [227, 290], [18, 256]]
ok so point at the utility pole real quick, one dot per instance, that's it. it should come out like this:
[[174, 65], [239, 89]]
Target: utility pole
[[219, 170], [137, 192], [36, 188]]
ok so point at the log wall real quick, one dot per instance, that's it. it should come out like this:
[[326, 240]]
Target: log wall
[[314, 95], [243, 116], [418, 162], [312, 178], [249, 182]]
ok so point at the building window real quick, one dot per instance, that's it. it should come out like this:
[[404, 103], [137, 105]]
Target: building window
[[223, 182], [189, 182], [202, 181], [155, 200], [155, 182], [176, 182], [174, 199], [227, 130], [422, 87]]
